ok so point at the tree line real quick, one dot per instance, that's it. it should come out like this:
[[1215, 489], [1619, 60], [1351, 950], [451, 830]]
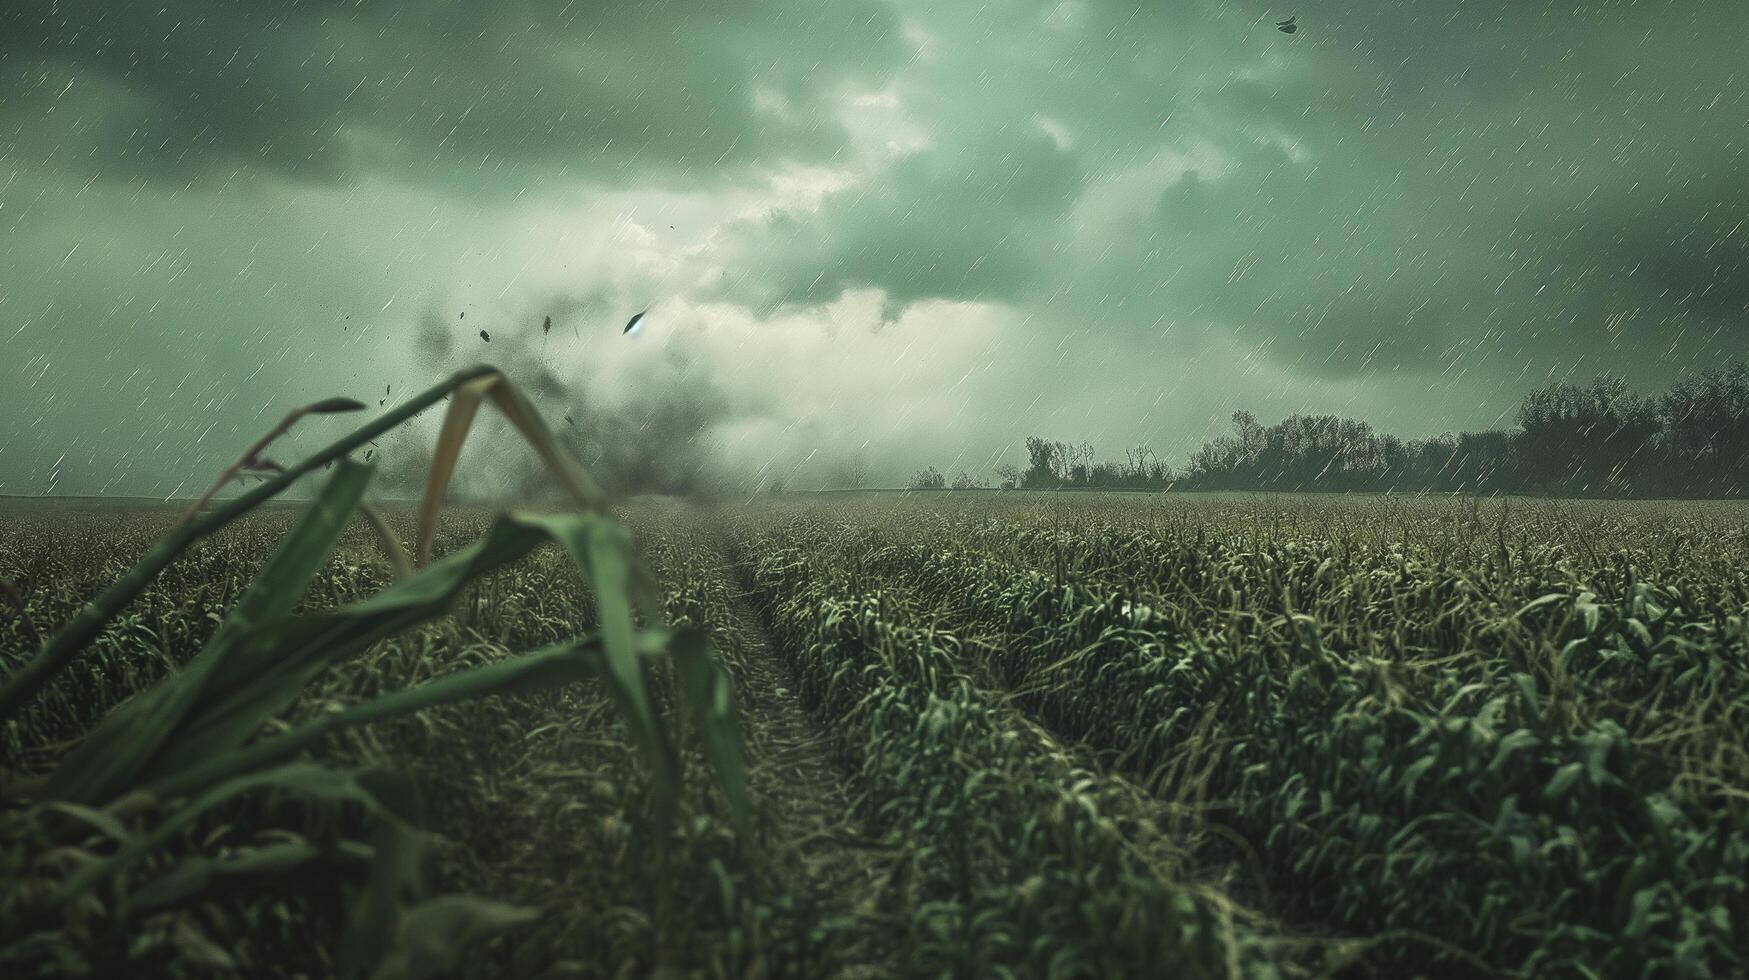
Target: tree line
[[1600, 439]]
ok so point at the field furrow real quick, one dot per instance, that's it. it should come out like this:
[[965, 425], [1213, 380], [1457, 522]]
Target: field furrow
[[984, 735], [1016, 856], [1536, 832], [822, 866]]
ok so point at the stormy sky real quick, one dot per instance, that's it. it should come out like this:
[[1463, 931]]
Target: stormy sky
[[890, 231]]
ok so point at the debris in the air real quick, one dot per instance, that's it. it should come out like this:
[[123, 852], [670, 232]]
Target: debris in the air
[[633, 323], [368, 453], [485, 336], [464, 315], [570, 421], [546, 326], [387, 387], [1287, 26]]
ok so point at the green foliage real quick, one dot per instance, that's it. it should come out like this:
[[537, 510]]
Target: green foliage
[[990, 735], [193, 744], [1020, 860], [1492, 810]]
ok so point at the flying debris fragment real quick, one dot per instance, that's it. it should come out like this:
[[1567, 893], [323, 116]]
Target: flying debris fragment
[[546, 326], [485, 336], [1287, 26], [387, 387], [464, 315], [570, 421], [634, 323]]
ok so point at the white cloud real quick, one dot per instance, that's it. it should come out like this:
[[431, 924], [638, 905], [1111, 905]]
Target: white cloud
[[887, 99], [1115, 205], [773, 103], [1058, 133]]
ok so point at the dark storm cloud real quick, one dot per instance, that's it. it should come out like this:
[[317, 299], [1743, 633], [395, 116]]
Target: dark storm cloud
[[963, 221], [1685, 248], [1521, 170], [465, 92], [1157, 212], [1397, 180]]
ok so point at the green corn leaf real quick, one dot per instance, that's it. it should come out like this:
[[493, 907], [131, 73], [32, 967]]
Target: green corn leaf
[[280, 658], [99, 820], [1539, 603], [1563, 780], [602, 550], [395, 880], [1644, 906], [1526, 685], [559, 664], [710, 696], [109, 762], [433, 934], [74, 638], [300, 779], [266, 667], [197, 877]]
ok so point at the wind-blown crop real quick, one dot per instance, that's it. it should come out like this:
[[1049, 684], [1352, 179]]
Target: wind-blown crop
[[162, 762]]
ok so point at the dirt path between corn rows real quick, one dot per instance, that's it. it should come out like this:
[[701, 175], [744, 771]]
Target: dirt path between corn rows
[[800, 786]]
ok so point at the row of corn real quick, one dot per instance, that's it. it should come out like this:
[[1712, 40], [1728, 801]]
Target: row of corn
[[1452, 805]]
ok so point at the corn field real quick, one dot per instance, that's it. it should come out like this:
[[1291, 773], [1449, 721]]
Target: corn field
[[935, 734]]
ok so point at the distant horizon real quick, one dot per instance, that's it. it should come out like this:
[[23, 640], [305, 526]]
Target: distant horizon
[[1683, 423]]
